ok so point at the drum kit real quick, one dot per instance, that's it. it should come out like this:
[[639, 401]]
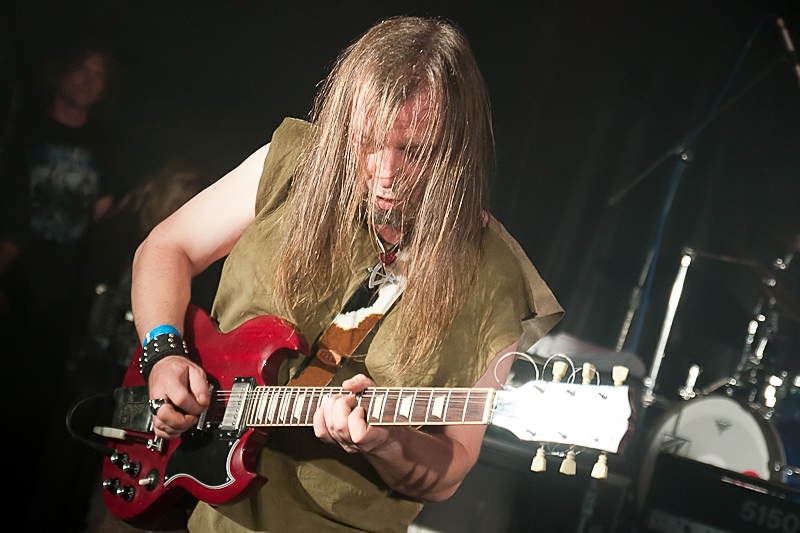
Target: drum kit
[[748, 422]]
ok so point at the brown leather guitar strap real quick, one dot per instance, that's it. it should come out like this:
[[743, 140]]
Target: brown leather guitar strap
[[349, 328]]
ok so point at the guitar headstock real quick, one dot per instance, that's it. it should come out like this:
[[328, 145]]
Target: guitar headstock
[[565, 417]]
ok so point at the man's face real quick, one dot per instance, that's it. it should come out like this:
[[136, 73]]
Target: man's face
[[385, 163], [83, 85]]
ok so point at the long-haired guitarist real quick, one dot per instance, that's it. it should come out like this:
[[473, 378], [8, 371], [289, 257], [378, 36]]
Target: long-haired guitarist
[[384, 187]]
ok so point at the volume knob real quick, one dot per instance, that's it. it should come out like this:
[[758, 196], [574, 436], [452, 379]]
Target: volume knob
[[126, 493]]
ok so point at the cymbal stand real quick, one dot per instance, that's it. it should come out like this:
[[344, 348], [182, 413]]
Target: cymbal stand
[[648, 397]]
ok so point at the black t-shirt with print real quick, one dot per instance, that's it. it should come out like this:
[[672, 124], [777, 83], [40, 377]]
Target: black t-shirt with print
[[51, 177]]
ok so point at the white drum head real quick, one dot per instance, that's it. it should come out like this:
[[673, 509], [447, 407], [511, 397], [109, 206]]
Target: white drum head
[[715, 430]]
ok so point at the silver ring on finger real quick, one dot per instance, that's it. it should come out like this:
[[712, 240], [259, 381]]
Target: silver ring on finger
[[155, 405]]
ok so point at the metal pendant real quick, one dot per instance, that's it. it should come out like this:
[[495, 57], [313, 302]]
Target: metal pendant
[[379, 274]]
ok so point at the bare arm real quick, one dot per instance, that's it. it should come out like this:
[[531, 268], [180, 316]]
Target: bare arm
[[200, 232], [427, 464]]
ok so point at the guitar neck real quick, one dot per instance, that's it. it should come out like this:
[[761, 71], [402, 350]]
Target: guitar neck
[[295, 406]]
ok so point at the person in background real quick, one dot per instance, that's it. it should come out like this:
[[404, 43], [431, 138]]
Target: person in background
[[55, 183], [383, 188], [110, 339]]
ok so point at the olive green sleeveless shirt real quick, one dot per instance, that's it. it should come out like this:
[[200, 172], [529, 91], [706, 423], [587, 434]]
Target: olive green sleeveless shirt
[[316, 487]]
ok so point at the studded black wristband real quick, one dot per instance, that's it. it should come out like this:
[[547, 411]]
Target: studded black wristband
[[158, 348]]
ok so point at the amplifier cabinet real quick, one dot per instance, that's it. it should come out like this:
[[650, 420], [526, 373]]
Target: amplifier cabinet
[[687, 496]]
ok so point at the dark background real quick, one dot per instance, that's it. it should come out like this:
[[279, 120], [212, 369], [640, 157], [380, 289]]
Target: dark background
[[587, 95], [590, 100]]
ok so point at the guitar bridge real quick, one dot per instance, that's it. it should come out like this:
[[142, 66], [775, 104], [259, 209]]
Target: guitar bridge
[[132, 410], [237, 405]]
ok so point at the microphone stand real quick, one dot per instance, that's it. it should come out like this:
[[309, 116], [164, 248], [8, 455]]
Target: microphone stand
[[682, 149]]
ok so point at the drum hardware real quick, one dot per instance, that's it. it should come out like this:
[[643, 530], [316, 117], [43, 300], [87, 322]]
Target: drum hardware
[[688, 392], [787, 471], [760, 330], [776, 291], [648, 397], [727, 382], [765, 401], [758, 383], [689, 256]]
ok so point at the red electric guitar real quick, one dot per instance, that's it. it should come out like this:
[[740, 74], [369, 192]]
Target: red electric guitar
[[216, 461]]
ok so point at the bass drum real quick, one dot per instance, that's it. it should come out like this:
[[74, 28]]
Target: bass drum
[[719, 431]]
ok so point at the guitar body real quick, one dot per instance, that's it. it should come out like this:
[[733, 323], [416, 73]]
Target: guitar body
[[213, 465]]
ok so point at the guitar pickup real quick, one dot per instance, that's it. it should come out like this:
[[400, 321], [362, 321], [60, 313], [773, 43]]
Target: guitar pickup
[[238, 401]]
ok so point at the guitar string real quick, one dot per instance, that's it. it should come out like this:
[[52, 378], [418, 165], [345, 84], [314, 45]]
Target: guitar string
[[462, 399], [225, 393]]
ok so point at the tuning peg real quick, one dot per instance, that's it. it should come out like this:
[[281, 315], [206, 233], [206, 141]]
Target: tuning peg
[[619, 374], [600, 468], [568, 466], [589, 371], [559, 370], [539, 463]]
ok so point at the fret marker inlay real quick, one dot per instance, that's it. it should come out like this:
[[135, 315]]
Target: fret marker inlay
[[377, 406], [405, 405], [272, 406], [298, 406], [438, 407]]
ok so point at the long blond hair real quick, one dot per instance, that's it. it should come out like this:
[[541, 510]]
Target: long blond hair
[[397, 59]]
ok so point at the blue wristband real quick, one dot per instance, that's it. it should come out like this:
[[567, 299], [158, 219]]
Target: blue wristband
[[159, 330]]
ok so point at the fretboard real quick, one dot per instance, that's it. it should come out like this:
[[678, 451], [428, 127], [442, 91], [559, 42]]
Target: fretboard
[[295, 406]]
